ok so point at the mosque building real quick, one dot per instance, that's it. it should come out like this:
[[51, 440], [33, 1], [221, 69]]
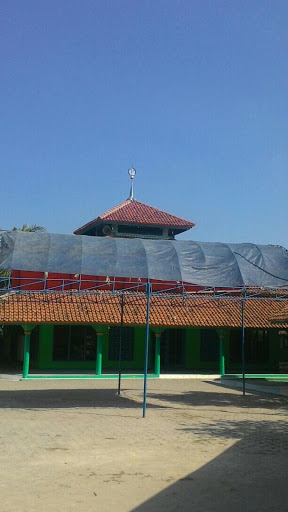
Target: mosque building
[[67, 301]]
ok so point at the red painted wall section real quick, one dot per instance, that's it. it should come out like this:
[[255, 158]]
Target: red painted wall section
[[24, 281]]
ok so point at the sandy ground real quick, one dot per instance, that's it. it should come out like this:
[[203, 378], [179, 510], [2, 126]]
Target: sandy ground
[[76, 446]]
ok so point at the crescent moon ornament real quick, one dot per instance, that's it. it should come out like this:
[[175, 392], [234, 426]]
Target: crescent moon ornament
[[132, 173]]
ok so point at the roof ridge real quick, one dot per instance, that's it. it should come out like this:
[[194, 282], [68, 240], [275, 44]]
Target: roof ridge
[[166, 213]]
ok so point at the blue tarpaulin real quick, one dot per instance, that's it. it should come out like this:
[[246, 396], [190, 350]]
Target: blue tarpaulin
[[202, 263]]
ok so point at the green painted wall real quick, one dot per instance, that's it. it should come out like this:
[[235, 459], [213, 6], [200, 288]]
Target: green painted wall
[[193, 362], [45, 352], [192, 349], [45, 345]]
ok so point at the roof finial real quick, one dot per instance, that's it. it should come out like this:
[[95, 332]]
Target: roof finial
[[132, 173]]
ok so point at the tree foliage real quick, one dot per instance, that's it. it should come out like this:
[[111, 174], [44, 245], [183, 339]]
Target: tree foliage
[[29, 228]]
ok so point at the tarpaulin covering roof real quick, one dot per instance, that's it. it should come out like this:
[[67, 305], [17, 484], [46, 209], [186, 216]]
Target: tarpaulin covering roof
[[203, 263]]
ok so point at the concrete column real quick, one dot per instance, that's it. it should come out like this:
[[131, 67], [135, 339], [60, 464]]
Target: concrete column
[[26, 355], [157, 354], [99, 353], [221, 354]]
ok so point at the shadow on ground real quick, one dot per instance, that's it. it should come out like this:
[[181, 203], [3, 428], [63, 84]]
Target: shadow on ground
[[266, 386], [251, 476], [69, 398], [253, 399], [66, 398]]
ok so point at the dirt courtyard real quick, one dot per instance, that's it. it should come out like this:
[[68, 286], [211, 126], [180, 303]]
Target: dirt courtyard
[[74, 446]]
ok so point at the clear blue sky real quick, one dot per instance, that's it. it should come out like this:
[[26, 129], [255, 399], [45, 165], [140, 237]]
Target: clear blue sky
[[193, 93]]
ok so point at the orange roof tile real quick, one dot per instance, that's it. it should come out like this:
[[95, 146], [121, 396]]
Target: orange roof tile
[[167, 311], [135, 212], [281, 316]]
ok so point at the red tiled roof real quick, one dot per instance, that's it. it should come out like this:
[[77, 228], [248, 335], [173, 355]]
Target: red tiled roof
[[282, 315], [135, 212], [165, 310]]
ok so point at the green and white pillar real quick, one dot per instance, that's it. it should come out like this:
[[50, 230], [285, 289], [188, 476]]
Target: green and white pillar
[[99, 353], [157, 354], [221, 353], [26, 349]]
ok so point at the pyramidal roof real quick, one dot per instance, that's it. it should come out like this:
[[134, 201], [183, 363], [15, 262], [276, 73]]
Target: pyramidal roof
[[135, 212]]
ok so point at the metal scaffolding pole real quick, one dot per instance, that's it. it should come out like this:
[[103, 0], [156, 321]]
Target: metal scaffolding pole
[[148, 292], [243, 344]]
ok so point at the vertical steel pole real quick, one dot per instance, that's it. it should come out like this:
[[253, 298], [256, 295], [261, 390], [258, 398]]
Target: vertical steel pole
[[148, 292], [243, 344], [120, 345]]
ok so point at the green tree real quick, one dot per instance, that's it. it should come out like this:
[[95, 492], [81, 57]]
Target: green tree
[[29, 228]]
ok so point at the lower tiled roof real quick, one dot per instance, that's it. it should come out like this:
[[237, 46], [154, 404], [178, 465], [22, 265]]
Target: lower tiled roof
[[282, 315], [165, 310]]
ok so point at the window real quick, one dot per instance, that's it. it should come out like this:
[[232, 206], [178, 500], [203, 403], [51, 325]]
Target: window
[[139, 230], [283, 335], [74, 343], [127, 348], [209, 345], [172, 348], [235, 344], [256, 345]]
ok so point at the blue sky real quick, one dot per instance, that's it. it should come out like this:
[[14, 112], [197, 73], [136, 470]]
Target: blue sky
[[193, 93]]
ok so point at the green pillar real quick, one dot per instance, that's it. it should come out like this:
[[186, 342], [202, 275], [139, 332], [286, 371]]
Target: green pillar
[[157, 354], [221, 354], [26, 355], [99, 353]]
